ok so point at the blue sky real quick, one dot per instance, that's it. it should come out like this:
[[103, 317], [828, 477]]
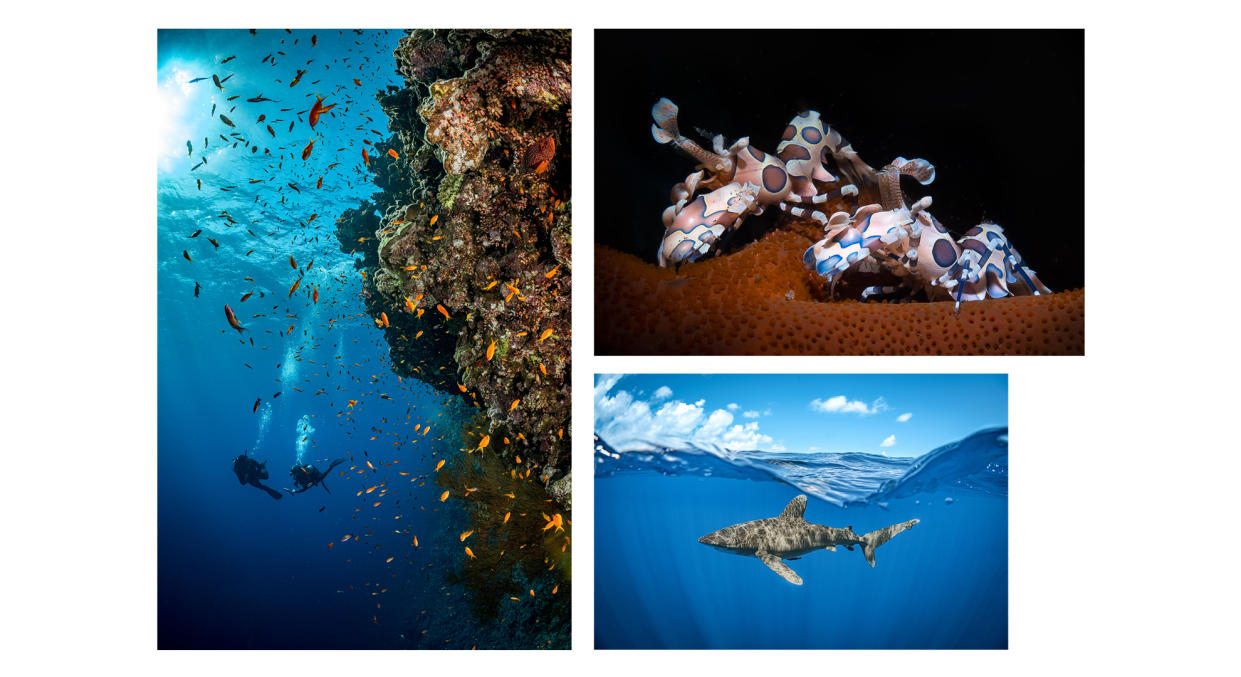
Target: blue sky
[[892, 414]]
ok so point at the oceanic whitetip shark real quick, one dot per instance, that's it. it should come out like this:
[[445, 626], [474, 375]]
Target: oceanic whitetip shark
[[789, 536]]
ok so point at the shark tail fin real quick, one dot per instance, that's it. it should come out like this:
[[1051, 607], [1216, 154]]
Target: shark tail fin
[[878, 537]]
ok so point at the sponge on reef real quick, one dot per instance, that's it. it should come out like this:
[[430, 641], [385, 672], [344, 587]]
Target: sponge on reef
[[760, 300]]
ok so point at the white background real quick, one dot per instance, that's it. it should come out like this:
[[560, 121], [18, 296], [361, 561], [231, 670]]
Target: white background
[[1123, 537]]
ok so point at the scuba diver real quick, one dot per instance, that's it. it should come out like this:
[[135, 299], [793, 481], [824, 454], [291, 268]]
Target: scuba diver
[[307, 476], [250, 471]]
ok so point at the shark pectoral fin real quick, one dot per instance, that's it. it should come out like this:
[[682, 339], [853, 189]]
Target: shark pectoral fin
[[830, 547], [775, 564]]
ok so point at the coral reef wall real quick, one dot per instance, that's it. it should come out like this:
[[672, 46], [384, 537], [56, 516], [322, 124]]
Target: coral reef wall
[[466, 248]]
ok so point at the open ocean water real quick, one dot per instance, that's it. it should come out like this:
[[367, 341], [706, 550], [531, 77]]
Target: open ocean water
[[308, 380], [941, 585]]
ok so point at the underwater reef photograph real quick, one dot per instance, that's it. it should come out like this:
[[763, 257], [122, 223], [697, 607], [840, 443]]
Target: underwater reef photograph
[[801, 511], [851, 192], [364, 333]]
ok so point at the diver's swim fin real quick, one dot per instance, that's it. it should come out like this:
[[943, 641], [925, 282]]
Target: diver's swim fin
[[323, 483], [271, 492]]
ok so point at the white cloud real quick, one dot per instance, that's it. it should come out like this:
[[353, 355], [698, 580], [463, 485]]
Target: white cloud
[[631, 424], [678, 418], [904, 417], [746, 437], [750, 414], [663, 393], [840, 404], [717, 423], [604, 383], [888, 441], [766, 412], [733, 406]]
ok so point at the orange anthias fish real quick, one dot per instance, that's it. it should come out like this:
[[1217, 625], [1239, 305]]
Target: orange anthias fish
[[309, 147], [555, 521], [393, 154], [515, 403], [444, 496], [383, 320], [318, 109], [482, 444], [545, 335], [491, 350], [466, 534], [469, 552], [316, 297], [366, 157], [295, 286], [292, 263], [232, 319], [442, 311], [439, 465]]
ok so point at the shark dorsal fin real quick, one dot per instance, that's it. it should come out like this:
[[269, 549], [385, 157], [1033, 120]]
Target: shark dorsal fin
[[795, 509]]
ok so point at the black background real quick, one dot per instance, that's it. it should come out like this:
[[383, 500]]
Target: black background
[[1000, 113]]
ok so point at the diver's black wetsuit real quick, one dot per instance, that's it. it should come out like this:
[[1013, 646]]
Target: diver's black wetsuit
[[250, 471], [307, 476]]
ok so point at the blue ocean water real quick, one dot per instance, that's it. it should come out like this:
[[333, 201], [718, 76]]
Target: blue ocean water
[[941, 585], [308, 380]]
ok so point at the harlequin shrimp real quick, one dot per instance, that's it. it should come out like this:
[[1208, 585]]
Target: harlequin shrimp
[[742, 180], [885, 235], [912, 246]]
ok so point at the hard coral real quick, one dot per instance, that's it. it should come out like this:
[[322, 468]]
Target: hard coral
[[463, 115], [761, 301]]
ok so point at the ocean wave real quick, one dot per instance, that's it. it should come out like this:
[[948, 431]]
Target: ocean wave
[[976, 464]]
